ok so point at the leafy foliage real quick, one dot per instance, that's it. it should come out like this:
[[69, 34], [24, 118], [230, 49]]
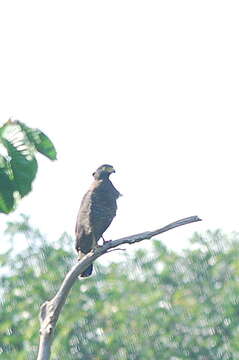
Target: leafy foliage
[[18, 165], [151, 305]]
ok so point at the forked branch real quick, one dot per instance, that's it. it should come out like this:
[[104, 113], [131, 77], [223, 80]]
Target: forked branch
[[51, 309]]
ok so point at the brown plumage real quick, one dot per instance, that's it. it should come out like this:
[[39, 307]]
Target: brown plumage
[[97, 210]]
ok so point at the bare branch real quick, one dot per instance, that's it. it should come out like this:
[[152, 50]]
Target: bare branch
[[50, 310], [110, 250]]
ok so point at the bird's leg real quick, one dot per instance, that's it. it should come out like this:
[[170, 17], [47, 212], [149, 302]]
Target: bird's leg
[[105, 241]]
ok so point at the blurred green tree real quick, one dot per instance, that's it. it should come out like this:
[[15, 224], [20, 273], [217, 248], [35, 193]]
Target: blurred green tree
[[18, 165], [154, 304]]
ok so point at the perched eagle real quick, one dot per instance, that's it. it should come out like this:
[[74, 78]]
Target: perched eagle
[[97, 210]]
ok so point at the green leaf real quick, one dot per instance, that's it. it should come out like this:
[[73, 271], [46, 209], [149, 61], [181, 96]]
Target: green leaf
[[24, 168], [45, 146], [3, 162], [6, 193], [41, 142], [18, 165]]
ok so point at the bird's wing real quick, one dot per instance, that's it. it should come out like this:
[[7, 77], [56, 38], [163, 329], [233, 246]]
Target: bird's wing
[[83, 229], [83, 218]]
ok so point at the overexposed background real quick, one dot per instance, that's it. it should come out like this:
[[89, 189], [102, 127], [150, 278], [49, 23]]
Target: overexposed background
[[150, 87]]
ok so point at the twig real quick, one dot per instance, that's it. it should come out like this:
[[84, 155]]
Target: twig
[[50, 310], [109, 251]]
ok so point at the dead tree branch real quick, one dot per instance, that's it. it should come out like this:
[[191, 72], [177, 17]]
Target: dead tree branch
[[51, 309]]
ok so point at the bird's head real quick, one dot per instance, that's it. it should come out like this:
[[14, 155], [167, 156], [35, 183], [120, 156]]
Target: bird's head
[[103, 172]]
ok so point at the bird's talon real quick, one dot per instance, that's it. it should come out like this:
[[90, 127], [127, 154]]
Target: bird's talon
[[106, 241]]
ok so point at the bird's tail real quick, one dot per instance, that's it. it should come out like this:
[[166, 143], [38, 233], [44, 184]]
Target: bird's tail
[[88, 271]]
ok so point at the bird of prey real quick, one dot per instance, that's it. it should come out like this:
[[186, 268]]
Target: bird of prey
[[97, 210]]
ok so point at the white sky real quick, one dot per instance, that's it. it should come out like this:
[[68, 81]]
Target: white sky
[[150, 87]]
